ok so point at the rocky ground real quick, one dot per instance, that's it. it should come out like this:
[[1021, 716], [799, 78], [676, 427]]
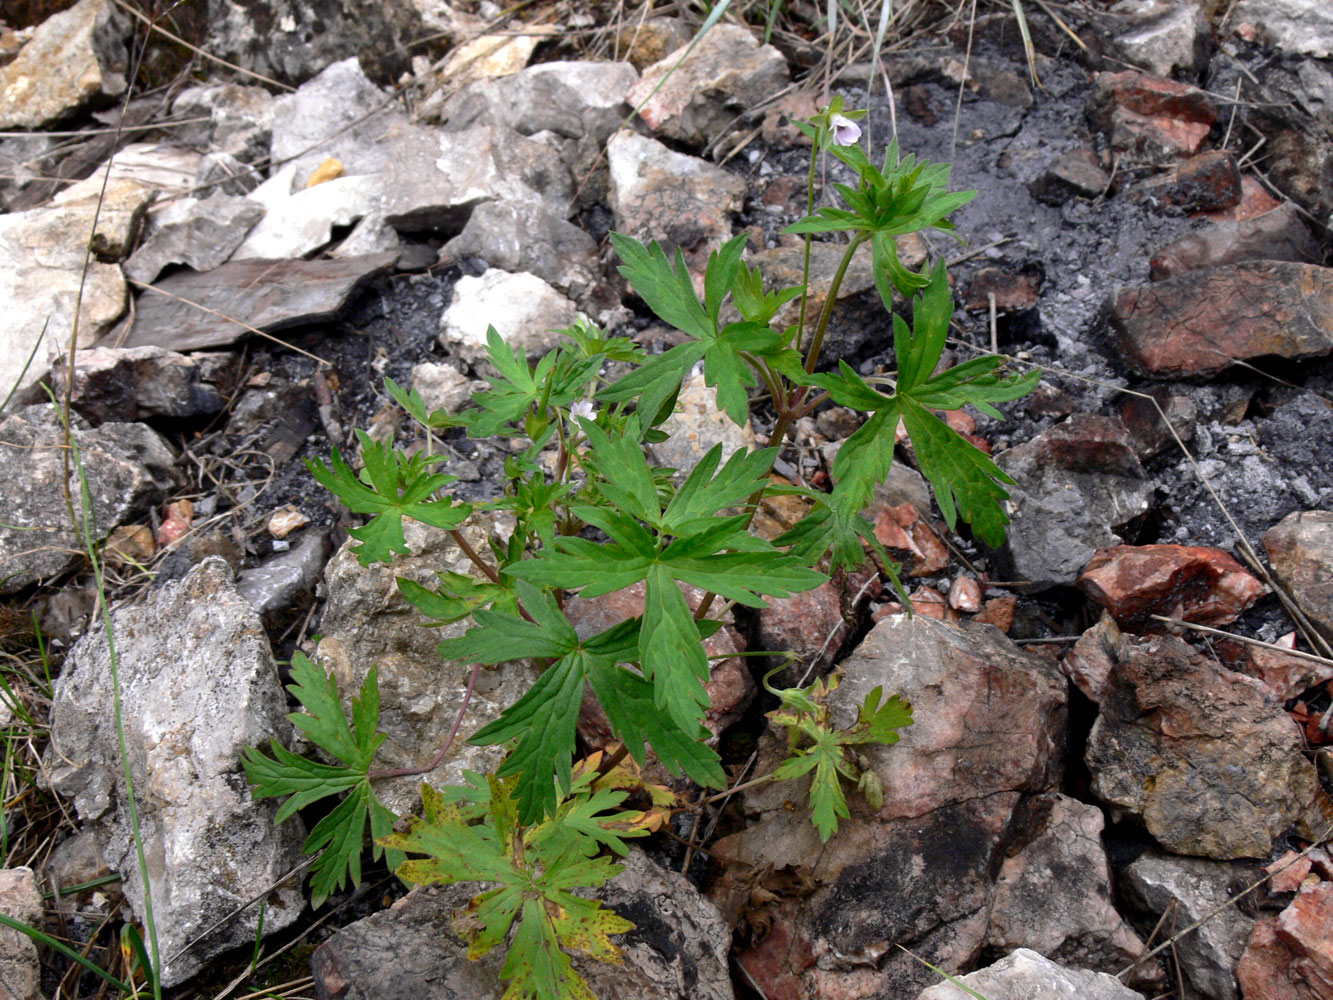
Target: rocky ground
[[319, 195]]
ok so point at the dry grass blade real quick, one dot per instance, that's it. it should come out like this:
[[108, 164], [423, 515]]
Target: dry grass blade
[[1026, 33], [962, 82], [1064, 27], [1222, 907], [153, 26], [1208, 630]]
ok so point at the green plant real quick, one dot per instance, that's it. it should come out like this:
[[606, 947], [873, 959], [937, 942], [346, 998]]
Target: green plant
[[592, 516], [805, 714]]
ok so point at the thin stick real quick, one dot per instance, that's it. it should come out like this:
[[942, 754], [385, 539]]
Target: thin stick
[[102, 131], [967, 59], [1194, 626], [994, 335], [1170, 942], [226, 918], [1232, 120]]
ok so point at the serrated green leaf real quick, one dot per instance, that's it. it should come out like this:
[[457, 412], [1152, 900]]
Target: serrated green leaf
[[401, 486], [629, 704], [670, 651], [720, 274], [340, 835], [458, 597], [534, 869], [878, 722], [828, 804], [543, 722], [966, 482], [669, 291], [626, 479], [708, 490]]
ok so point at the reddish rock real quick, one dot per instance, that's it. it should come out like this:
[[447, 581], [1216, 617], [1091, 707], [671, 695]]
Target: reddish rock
[[1013, 292], [1147, 420], [959, 420], [999, 611], [176, 523], [1288, 872], [779, 192], [966, 426], [1088, 664], [1075, 174], [887, 609], [730, 687], [1287, 676], [1158, 140], [1087, 443], [1148, 95], [1276, 235], [1192, 583], [930, 603], [1290, 956], [814, 625], [1204, 321], [1254, 202], [966, 594], [1208, 182], [1300, 549], [1151, 117], [906, 535], [1050, 401]]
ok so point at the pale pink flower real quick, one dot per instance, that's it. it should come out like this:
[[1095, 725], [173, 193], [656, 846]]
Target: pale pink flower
[[845, 131]]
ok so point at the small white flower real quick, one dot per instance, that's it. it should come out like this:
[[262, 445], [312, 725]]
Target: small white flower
[[583, 408], [845, 131]]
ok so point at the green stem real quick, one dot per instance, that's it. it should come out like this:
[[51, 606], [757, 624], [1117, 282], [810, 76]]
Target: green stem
[[805, 274], [826, 314]]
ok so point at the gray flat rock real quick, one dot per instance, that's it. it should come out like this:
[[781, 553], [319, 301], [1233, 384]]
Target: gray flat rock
[[267, 295]]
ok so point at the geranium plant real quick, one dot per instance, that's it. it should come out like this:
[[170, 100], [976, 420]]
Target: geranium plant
[[593, 516]]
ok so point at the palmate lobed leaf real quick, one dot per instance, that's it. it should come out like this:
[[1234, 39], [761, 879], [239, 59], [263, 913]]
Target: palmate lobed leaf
[[966, 482], [533, 883], [340, 835], [543, 720], [805, 713], [669, 292], [400, 486]]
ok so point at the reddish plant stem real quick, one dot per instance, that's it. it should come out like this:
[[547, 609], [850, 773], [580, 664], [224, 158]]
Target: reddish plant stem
[[471, 553], [608, 764], [398, 772]]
